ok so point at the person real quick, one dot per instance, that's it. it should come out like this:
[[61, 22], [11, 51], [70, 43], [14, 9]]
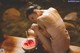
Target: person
[[50, 22]]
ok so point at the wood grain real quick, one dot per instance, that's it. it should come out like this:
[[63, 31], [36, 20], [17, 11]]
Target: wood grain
[[13, 44]]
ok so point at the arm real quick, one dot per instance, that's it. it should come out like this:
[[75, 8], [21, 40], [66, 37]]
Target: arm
[[43, 39]]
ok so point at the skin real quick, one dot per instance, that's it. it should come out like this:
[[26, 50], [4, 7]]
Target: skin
[[50, 21], [41, 34]]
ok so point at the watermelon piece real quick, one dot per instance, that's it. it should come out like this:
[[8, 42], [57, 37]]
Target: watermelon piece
[[29, 43]]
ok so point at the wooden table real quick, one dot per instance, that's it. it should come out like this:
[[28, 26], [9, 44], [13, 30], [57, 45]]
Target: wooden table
[[13, 44]]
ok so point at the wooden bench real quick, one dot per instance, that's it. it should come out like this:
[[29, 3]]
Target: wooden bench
[[13, 44]]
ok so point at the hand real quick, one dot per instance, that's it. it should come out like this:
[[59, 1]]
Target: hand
[[32, 33], [35, 26]]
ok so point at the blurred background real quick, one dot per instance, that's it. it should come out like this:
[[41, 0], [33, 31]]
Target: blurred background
[[13, 21]]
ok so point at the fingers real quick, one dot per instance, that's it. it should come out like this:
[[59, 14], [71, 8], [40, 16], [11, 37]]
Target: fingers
[[31, 32], [34, 26], [39, 12]]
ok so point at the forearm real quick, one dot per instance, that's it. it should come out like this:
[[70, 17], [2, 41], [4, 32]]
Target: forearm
[[44, 41]]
